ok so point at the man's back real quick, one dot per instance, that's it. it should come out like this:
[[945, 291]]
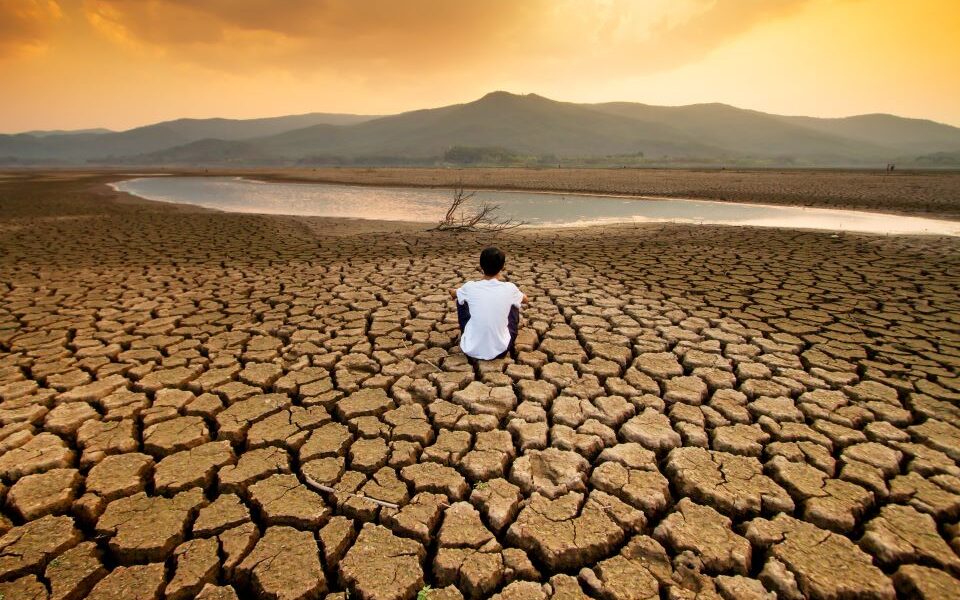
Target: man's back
[[486, 334]]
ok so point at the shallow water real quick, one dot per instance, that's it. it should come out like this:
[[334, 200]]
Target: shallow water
[[236, 194]]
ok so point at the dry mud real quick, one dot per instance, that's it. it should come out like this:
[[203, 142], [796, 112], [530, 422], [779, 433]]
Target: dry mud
[[195, 404]]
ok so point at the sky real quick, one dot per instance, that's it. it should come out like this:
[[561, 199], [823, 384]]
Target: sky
[[72, 64]]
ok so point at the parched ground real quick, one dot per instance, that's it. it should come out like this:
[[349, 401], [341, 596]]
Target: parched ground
[[198, 404]]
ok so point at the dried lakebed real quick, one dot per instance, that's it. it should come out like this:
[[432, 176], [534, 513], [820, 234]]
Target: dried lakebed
[[694, 411], [236, 194]]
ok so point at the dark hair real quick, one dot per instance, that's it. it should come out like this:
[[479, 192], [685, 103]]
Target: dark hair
[[491, 260]]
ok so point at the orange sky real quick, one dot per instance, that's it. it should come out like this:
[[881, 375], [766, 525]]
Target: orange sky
[[122, 63]]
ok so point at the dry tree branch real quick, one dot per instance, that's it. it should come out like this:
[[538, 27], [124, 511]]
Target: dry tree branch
[[483, 218], [328, 489]]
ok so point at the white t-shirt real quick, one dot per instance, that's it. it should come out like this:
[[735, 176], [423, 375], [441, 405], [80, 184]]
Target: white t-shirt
[[486, 335]]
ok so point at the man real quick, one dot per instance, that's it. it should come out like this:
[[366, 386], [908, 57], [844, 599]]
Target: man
[[488, 310]]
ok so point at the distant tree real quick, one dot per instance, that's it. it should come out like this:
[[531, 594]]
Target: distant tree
[[472, 155]]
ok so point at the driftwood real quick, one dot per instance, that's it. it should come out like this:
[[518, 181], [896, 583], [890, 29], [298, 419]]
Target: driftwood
[[327, 488], [405, 347], [483, 218]]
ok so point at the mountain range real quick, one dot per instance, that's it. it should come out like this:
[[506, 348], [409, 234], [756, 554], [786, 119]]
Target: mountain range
[[508, 128]]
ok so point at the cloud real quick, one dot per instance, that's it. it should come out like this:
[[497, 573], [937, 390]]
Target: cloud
[[651, 36], [675, 44], [25, 25], [391, 38], [237, 34]]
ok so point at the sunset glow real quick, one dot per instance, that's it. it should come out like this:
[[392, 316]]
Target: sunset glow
[[68, 64]]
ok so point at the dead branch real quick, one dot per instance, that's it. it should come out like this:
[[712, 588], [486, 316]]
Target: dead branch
[[484, 218], [328, 489]]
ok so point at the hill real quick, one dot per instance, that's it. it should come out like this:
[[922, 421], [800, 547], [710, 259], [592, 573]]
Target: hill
[[508, 127], [81, 146], [48, 132], [747, 133], [528, 124], [908, 136]]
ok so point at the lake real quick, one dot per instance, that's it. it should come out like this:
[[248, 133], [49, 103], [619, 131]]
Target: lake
[[235, 194]]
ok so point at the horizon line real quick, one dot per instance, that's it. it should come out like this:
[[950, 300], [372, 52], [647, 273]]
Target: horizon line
[[520, 94]]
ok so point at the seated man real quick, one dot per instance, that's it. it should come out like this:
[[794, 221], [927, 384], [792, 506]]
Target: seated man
[[488, 310]]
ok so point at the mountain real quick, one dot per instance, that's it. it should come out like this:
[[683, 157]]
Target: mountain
[[207, 151], [82, 146], [909, 136], [527, 124], [746, 132], [515, 128], [47, 132], [236, 129]]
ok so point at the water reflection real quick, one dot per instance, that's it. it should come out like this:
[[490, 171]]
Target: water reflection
[[427, 205]]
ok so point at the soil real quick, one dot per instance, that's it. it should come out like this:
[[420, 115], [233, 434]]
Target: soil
[[196, 403]]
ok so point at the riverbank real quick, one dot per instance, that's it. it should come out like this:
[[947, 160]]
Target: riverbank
[[533, 209], [927, 193], [692, 397], [934, 194]]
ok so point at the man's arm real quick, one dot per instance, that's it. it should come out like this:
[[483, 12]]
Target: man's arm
[[453, 293], [523, 297]]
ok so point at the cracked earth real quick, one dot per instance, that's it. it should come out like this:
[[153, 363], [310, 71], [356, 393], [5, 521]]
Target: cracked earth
[[215, 406]]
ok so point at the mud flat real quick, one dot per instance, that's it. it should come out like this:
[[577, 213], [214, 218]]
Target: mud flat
[[211, 405]]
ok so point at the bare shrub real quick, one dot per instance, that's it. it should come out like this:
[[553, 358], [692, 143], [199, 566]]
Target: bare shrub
[[483, 218]]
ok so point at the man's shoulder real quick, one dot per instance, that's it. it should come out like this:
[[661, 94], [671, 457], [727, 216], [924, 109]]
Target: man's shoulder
[[489, 285], [505, 285]]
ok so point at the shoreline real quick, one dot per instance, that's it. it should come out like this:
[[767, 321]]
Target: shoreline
[[954, 216], [932, 194], [573, 225]]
